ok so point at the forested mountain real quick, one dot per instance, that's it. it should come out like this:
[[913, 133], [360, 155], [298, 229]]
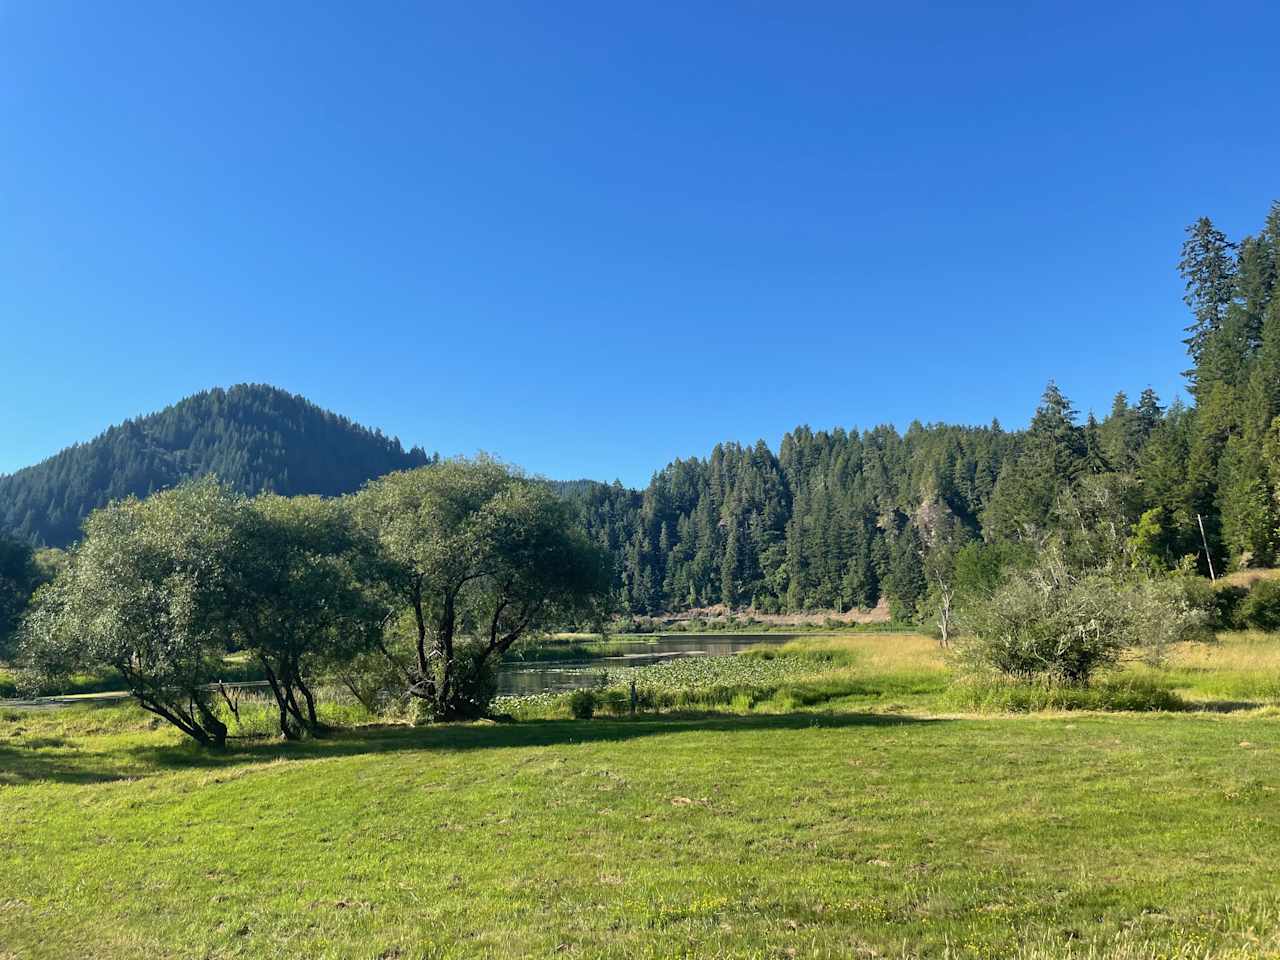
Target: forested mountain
[[840, 519], [252, 436]]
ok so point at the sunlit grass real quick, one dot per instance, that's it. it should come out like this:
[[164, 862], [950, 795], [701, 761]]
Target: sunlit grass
[[1241, 666], [1247, 578], [826, 797], [828, 834]]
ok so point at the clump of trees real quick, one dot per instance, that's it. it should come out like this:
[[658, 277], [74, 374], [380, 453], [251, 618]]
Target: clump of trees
[[305, 597], [160, 590], [1260, 607], [1057, 607]]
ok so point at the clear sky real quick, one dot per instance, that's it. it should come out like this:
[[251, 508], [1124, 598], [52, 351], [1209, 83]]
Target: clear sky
[[592, 237]]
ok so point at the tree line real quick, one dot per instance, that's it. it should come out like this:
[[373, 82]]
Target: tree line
[[831, 520], [841, 519]]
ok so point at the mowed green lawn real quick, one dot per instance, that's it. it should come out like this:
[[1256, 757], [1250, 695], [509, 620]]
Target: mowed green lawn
[[803, 834]]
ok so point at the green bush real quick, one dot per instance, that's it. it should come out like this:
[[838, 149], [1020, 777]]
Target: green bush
[[1053, 625], [1047, 625], [582, 704], [1261, 608], [1227, 603]]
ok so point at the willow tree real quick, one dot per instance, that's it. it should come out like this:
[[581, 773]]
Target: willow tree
[[145, 594], [303, 597], [481, 556]]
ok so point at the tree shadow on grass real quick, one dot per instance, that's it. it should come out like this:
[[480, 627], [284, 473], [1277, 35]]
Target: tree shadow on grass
[[1225, 706], [146, 760], [529, 733], [31, 762]]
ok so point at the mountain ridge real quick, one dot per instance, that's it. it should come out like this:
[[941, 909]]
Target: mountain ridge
[[256, 437]]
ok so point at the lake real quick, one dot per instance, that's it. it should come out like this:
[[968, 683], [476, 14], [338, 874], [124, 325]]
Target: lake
[[518, 678]]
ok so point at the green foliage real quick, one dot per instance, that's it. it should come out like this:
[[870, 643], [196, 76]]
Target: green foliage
[[582, 704], [1050, 459], [1166, 611], [160, 590], [477, 550], [833, 520], [980, 568], [1226, 604], [146, 595], [1061, 626], [18, 579], [997, 694], [304, 585], [1261, 608], [253, 437], [1149, 541], [1047, 624], [1208, 269]]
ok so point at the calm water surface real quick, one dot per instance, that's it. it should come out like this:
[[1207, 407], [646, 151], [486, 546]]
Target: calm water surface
[[520, 679]]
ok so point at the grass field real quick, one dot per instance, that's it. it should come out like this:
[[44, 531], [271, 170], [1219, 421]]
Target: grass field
[[867, 822]]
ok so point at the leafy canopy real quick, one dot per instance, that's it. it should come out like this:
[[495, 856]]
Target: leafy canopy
[[481, 556]]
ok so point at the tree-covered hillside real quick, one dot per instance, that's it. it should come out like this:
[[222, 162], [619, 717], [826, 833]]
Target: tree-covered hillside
[[834, 519], [252, 436], [840, 519]]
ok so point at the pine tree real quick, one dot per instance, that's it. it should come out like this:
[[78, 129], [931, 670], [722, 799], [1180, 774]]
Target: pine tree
[[729, 569], [1117, 433], [1051, 458], [1208, 270], [1095, 460]]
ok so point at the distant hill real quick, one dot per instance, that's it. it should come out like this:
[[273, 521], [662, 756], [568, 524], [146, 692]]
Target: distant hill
[[253, 436]]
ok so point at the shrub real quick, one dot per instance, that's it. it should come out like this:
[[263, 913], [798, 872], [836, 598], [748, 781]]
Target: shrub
[[1261, 608], [1166, 611], [1053, 625], [1047, 626], [582, 704], [1227, 602]]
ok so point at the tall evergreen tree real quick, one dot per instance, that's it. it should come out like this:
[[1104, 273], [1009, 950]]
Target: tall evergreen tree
[[1208, 270]]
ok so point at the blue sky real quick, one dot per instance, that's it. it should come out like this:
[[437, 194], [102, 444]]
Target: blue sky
[[590, 238]]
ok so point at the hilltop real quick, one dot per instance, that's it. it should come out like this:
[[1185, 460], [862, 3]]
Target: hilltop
[[253, 436]]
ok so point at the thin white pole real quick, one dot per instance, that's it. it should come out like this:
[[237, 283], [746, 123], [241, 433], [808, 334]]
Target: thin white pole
[[1205, 541]]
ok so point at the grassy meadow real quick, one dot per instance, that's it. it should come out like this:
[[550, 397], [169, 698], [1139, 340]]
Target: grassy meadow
[[830, 797]]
